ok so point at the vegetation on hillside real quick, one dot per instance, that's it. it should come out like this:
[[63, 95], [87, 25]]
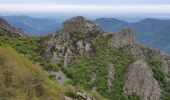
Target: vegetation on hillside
[[155, 65], [84, 66], [22, 80], [28, 47], [160, 77], [25, 68]]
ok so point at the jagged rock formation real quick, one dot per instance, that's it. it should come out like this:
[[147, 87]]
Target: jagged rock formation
[[162, 57], [6, 29], [75, 39], [123, 38], [139, 79], [80, 24]]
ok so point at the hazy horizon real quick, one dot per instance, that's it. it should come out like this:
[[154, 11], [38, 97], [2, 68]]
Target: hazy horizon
[[122, 9], [63, 16]]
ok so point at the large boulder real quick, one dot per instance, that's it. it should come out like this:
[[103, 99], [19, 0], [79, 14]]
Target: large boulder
[[140, 81]]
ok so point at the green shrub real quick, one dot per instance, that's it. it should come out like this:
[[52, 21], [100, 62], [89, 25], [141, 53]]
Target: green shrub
[[84, 66], [28, 47], [20, 79], [155, 65]]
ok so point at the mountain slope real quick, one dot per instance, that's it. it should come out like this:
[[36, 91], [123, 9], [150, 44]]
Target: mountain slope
[[33, 26], [24, 74], [21, 80], [113, 64], [152, 32]]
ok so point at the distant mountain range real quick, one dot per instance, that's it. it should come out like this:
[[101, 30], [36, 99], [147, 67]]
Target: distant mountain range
[[34, 26], [152, 32]]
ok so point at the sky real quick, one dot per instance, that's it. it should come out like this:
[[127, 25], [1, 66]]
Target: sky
[[89, 1], [86, 7]]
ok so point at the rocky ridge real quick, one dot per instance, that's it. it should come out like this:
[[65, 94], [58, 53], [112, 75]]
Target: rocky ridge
[[75, 39], [6, 29]]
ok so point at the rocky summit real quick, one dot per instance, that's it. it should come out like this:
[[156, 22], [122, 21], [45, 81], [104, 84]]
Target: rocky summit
[[73, 40], [79, 40]]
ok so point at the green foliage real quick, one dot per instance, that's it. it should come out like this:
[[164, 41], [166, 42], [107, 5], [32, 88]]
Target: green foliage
[[28, 47], [166, 92], [155, 65], [75, 35], [85, 66], [133, 97], [20, 79], [71, 92]]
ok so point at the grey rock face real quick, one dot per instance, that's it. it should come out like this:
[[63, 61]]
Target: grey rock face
[[123, 38], [135, 50], [63, 47], [139, 80], [165, 61], [111, 75], [80, 96], [138, 77], [59, 75], [93, 77], [160, 56], [81, 24]]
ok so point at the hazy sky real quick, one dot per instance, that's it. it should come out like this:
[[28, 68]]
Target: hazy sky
[[91, 7], [89, 1]]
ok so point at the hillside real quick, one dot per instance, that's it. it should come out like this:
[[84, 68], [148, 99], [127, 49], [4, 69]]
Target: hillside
[[22, 80], [113, 64], [83, 62], [152, 32], [26, 75]]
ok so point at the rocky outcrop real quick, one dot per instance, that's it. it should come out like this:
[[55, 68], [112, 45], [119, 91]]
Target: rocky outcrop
[[160, 56], [79, 96], [75, 40], [80, 24], [59, 75], [164, 59], [111, 75], [139, 80], [123, 38], [6, 29]]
